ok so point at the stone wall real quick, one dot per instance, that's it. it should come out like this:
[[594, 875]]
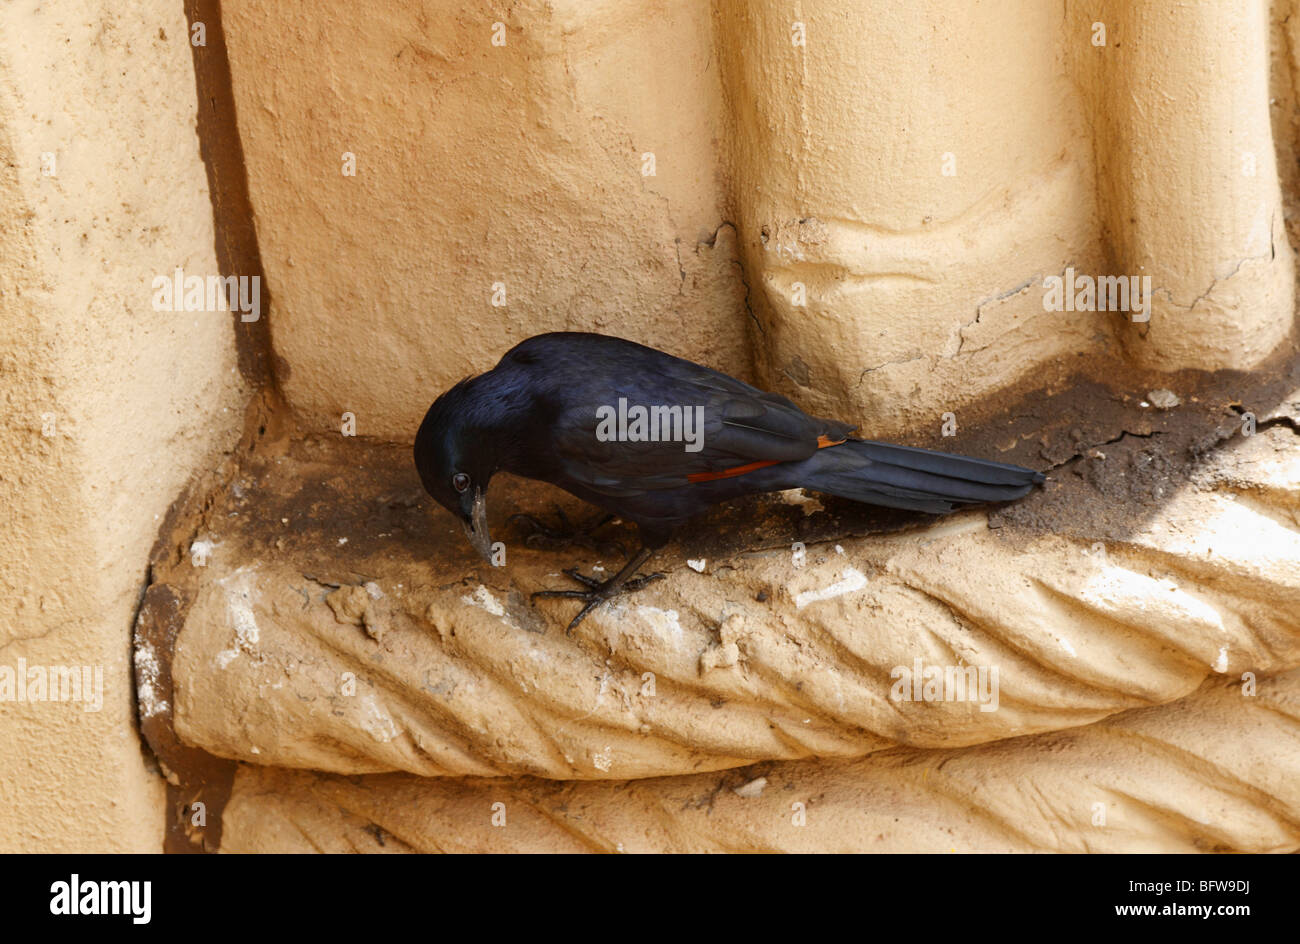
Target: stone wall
[[861, 205], [111, 406]]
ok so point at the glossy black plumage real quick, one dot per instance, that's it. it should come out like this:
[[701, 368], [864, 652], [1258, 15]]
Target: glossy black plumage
[[535, 415]]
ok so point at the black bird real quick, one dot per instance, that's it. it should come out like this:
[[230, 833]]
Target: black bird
[[578, 410]]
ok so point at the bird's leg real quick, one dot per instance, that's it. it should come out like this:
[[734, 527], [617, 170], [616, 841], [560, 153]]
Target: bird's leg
[[567, 534], [600, 591]]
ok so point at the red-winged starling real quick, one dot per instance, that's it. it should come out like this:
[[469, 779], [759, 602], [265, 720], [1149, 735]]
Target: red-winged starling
[[578, 410]]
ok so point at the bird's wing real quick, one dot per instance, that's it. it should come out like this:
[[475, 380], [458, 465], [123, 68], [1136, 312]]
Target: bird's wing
[[731, 425]]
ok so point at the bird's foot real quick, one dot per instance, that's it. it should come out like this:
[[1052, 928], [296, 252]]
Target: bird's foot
[[567, 534], [597, 592]]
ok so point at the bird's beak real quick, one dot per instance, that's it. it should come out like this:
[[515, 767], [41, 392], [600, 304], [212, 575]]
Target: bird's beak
[[476, 529]]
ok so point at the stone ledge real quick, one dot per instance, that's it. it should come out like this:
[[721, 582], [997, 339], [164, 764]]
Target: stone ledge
[[1215, 772], [328, 573]]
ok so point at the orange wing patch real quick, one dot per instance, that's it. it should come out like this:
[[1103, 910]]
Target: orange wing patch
[[823, 442]]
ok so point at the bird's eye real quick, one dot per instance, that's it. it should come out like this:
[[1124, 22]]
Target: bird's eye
[[460, 481]]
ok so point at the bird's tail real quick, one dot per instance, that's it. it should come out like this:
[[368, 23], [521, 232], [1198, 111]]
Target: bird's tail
[[913, 479]]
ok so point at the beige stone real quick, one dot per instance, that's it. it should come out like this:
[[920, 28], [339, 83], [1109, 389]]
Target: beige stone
[[480, 170], [1216, 772], [1187, 176], [110, 407], [680, 173], [917, 172], [920, 170], [767, 655]]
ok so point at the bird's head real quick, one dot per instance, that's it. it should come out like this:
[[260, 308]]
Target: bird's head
[[455, 461]]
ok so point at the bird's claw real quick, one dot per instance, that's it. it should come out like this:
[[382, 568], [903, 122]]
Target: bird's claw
[[566, 534], [591, 582], [598, 592], [636, 583]]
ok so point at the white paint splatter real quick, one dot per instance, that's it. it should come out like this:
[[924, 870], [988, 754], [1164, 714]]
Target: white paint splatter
[[797, 496], [853, 580], [201, 552], [147, 672], [484, 600], [241, 591], [752, 789], [375, 721], [661, 621]]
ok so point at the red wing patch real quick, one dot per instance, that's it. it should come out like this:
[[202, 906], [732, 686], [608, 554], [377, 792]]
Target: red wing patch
[[823, 442]]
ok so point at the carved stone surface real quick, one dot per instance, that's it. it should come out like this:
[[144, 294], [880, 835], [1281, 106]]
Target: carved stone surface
[[404, 656], [1216, 772], [852, 212]]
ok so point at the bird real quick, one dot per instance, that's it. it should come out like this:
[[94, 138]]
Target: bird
[[656, 440]]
